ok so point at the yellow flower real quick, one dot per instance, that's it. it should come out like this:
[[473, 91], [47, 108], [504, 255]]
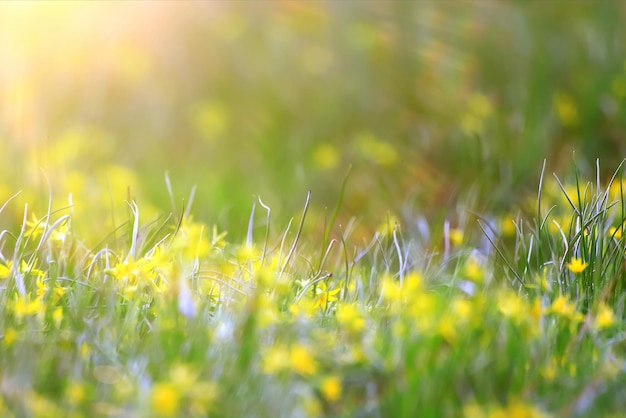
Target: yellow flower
[[75, 393], [350, 317], [57, 316], [507, 227], [132, 271], [24, 306], [275, 360], [10, 336], [390, 290], [474, 271], [302, 361], [5, 270], [376, 150], [576, 265], [615, 232], [325, 156], [165, 399], [447, 328], [35, 227], [331, 388], [456, 236], [566, 110], [605, 317], [512, 306], [325, 296], [563, 307], [462, 309]]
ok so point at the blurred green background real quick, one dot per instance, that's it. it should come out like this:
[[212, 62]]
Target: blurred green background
[[431, 103]]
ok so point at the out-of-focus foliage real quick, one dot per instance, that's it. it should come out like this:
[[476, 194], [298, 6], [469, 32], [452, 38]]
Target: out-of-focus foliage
[[423, 99]]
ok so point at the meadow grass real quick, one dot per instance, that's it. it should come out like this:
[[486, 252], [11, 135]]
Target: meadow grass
[[447, 275], [519, 317]]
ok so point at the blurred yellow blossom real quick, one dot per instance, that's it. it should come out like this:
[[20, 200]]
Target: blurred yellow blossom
[[325, 156], [210, 119], [25, 306], [562, 306], [456, 236], [5, 269], [275, 359], [349, 316], [57, 316], [566, 109], [301, 360], [10, 336], [388, 225], [331, 388], [75, 392], [605, 317], [473, 271], [382, 153], [165, 399]]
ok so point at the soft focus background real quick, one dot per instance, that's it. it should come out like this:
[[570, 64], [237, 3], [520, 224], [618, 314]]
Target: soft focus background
[[430, 103]]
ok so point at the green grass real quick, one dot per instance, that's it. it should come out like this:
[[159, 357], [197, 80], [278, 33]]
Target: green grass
[[312, 209], [168, 318]]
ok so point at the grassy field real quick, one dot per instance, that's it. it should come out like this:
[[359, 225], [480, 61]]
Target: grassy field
[[312, 209]]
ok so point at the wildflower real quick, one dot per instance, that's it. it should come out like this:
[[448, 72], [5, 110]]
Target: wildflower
[[247, 253], [456, 236], [564, 308], [267, 312], [29, 269], [615, 232], [182, 376], [191, 241], [60, 233], [390, 290], [389, 225], [210, 119], [576, 265], [325, 156], [566, 110], [605, 317], [304, 308], [58, 292], [512, 306], [508, 227], [275, 360], [380, 152], [540, 282], [42, 288], [204, 396], [165, 399], [5, 270], [10, 336], [549, 371], [473, 270], [217, 238], [473, 410], [331, 388], [132, 271], [301, 360], [57, 316], [447, 328], [325, 296], [349, 316], [462, 309], [35, 227], [25, 306], [75, 393]]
